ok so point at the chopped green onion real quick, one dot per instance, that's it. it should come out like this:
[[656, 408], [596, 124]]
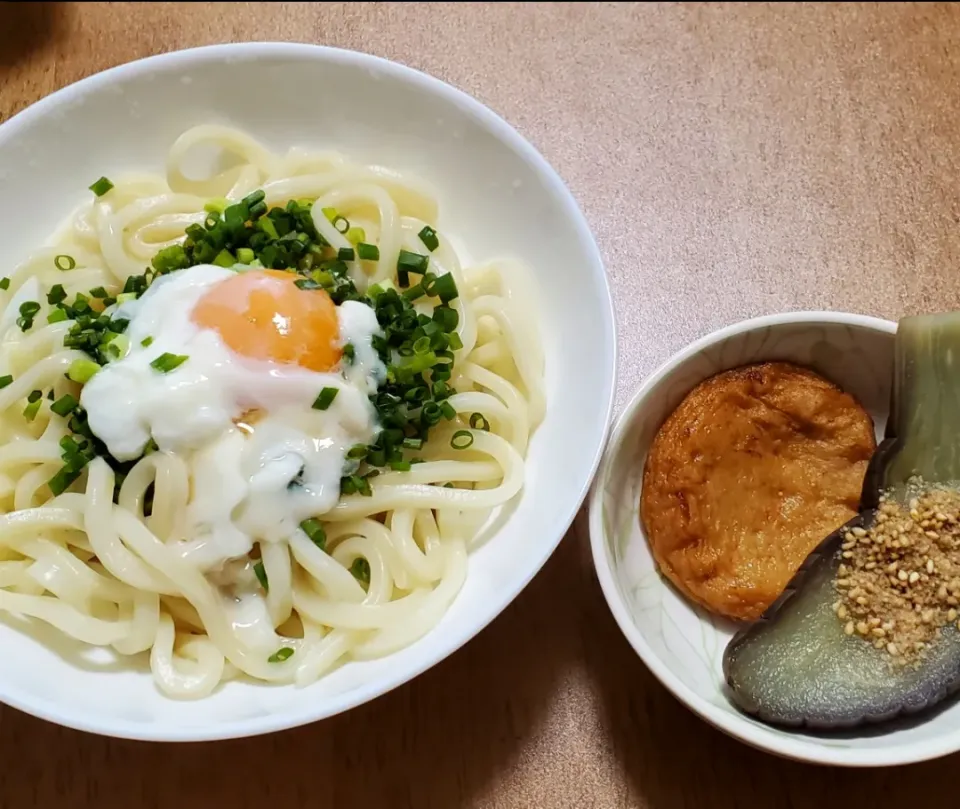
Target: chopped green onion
[[35, 396], [61, 480], [166, 362], [5, 380], [261, 573], [31, 410], [446, 318], [28, 310], [57, 315], [349, 353], [330, 214], [445, 288], [225, 259], [65, 405], [345, 254], [266, 225], [315, 533], [368, 252], [429, 237], [413, 443], [342, 224], [325, 398], [400, 466], [414, 292], [461, 439], [245, 255], [57, 294], [4, 283], [355, 235], [82, 371], [170, 258], [123, 297], [147, 341], [115, 345], [98, 292], [479, 422], [64, 262], [361, 570], [101, 186], [357, 452], [216, 205], [283, 653], [412, 262]]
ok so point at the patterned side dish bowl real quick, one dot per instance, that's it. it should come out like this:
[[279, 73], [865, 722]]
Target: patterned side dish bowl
[[682, 644]]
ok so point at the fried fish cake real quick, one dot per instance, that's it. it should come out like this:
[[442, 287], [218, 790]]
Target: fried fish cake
[[753, 469]]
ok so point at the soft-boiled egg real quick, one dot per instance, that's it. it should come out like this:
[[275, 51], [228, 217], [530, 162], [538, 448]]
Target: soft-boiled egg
[[250, 353]]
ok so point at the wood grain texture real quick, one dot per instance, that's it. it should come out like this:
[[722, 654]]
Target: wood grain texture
[[732, 161]]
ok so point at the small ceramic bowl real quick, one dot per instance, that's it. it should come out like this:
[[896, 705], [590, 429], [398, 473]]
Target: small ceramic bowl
[[682, 644]]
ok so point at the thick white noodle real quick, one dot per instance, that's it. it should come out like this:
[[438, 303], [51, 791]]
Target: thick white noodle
[[106, 569]]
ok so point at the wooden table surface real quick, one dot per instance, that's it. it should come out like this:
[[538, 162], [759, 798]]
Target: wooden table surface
[[732, 161]]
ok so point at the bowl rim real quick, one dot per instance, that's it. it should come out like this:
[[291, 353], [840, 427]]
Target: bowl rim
[[555, 187], [798, 747]]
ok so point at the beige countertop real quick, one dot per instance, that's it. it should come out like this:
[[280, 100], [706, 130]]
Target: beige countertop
[[732, 160]]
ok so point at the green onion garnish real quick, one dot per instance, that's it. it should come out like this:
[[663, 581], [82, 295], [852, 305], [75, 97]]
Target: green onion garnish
[[461, 439], [284, 653], [82, 371], [342, 224], [261, 575], [61, 480], [4, 283], [147, 341], [57, 315], [345, 254], [98, 292], [361, 570], [65, 405], [101, 186], [368, 252], [5, 380], [325, 398], [357, 452], [412, 262], [245, 255], [429, 237], [479, 422], [28, 310], [315, 533], [64, 262], [445, 288], [56, 295], [170, 258], [166, 362], [216, 205], [355, 235], [225, 259], [349, 353], [400, 466], [31, 410], [35, 396]]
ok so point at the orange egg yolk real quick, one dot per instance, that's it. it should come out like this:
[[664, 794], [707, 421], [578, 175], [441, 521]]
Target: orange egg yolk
[[263, 315]]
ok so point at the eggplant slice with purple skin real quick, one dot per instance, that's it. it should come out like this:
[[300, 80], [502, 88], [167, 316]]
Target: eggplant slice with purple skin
[[795, 667]]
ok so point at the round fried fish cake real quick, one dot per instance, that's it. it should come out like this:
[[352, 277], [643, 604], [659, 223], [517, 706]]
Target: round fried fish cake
[[754, 468]]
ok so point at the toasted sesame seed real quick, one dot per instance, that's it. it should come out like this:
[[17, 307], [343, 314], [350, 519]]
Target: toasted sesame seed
[[892, 649], [930, 566], [848, 629]]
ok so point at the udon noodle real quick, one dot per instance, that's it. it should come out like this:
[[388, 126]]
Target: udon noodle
[[106, 569]]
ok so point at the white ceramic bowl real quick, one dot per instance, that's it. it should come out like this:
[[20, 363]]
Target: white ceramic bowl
[[496, 193], [682, 644]]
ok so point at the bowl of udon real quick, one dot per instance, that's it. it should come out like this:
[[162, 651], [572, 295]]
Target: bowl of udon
[[306, 362]]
